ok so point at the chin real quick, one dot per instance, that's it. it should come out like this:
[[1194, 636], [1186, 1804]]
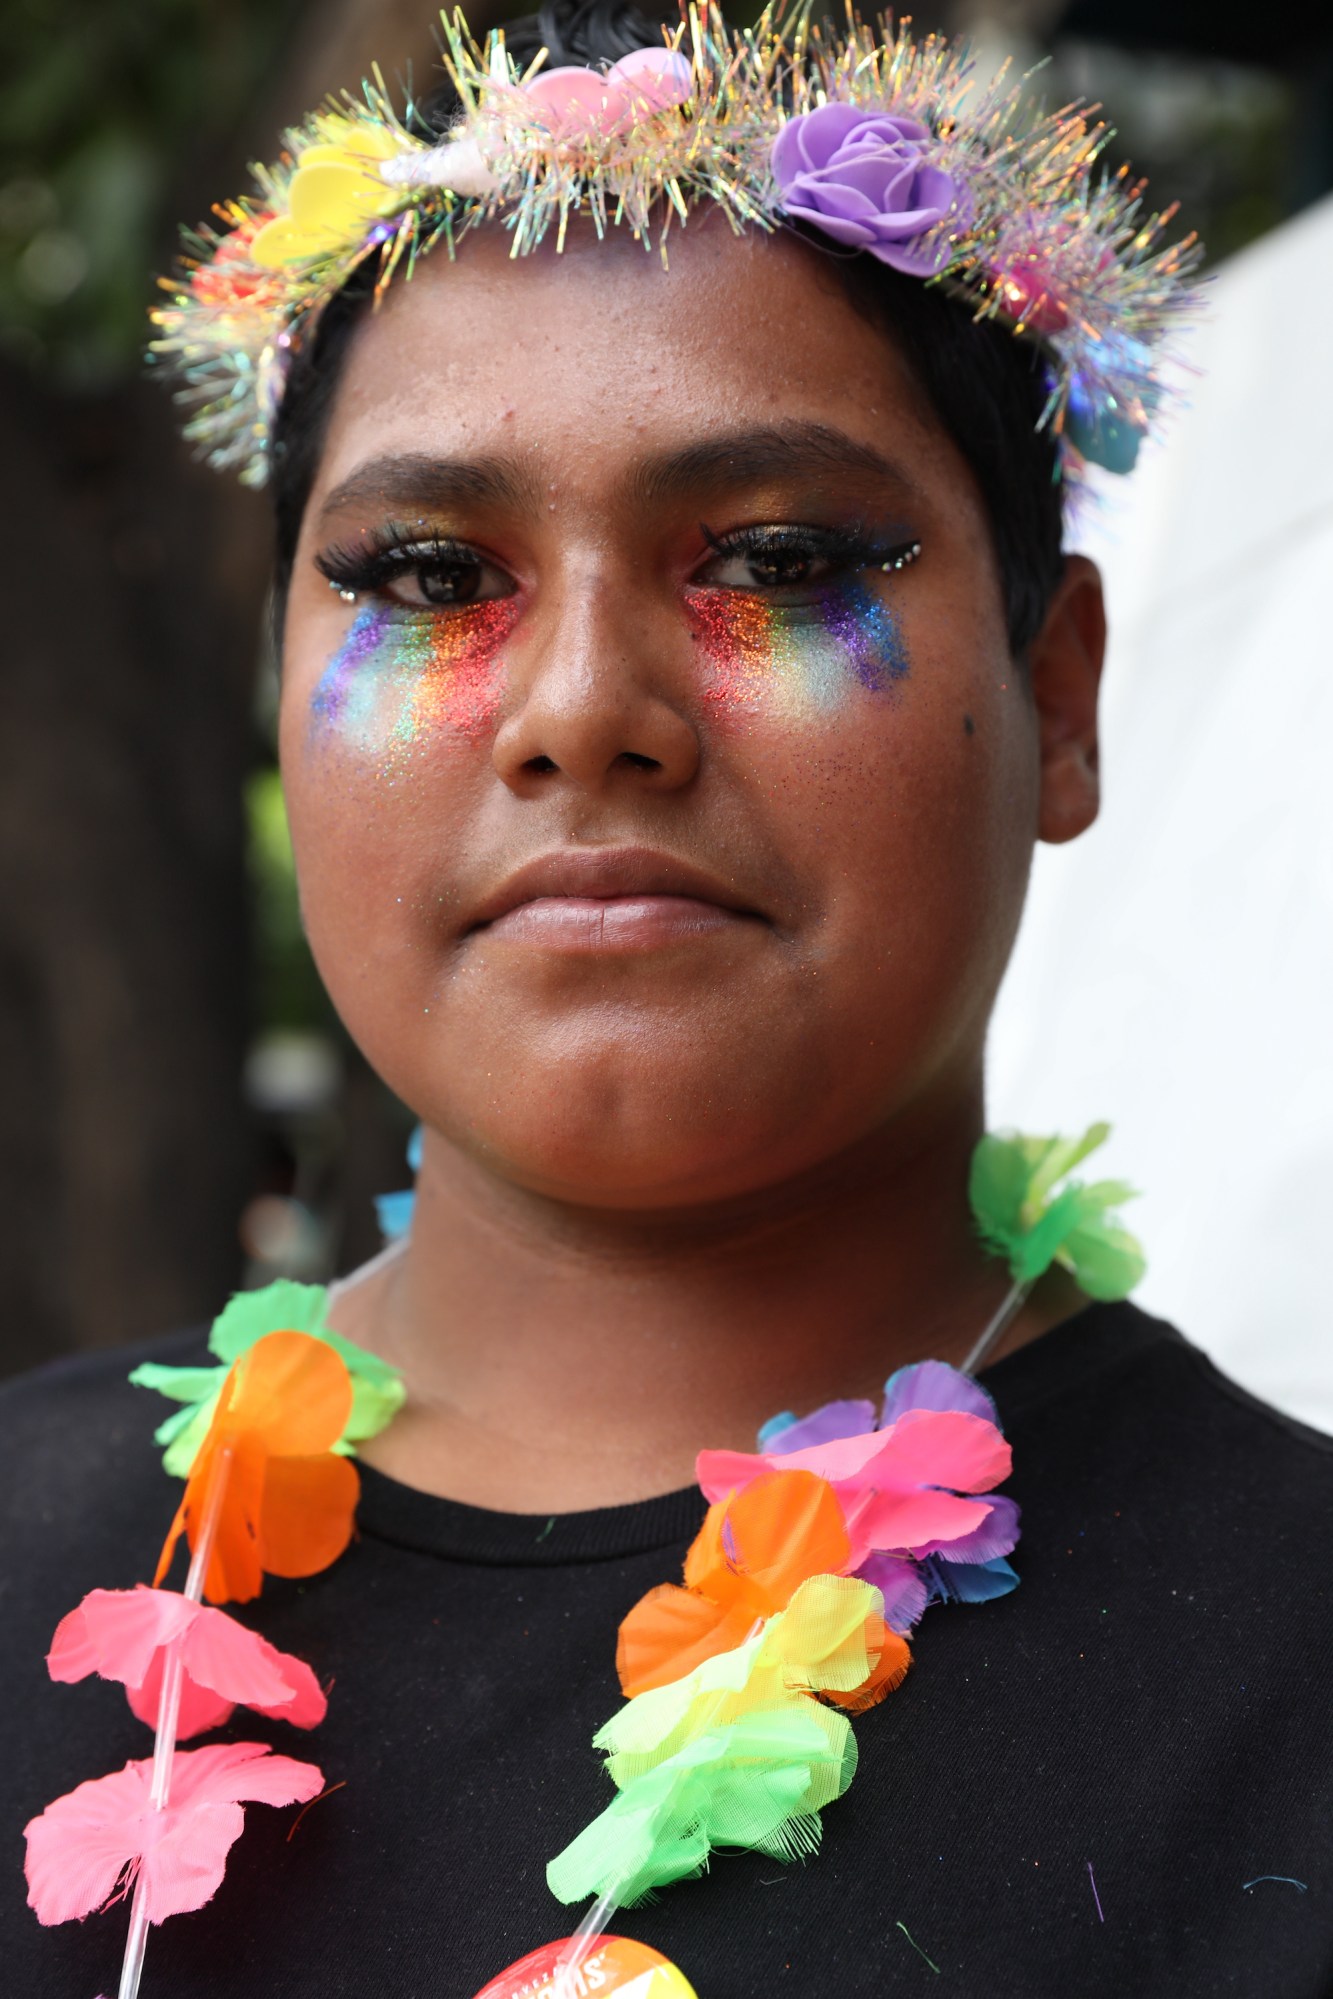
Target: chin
[[622, 1138]]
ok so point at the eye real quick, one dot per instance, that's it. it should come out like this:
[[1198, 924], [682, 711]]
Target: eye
[[419, 574], [446, 576], [767, 569], [792, 561]]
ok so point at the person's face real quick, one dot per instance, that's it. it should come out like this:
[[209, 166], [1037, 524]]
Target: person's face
[[658, 839]]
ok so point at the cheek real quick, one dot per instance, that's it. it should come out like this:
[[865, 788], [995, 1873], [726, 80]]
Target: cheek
[[903, 775], [383, 747], [797, 663], [401, 680]]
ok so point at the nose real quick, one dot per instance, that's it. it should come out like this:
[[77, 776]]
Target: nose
[[594, 701]]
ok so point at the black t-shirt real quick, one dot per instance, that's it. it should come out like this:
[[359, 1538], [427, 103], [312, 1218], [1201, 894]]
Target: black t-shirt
[[1083, 1789]]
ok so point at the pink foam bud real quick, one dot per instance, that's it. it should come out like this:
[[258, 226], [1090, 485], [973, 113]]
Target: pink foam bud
[[655, 79], [575, 103]]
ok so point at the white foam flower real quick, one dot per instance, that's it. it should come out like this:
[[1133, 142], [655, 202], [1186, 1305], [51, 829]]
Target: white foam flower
[[457, 165]]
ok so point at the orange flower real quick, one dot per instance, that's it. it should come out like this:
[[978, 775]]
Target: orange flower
[[288, 1500], [752, 1553], [230, 278], [890, 1656]]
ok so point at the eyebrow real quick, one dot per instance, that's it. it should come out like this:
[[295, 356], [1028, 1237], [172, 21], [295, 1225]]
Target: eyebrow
[[758, 456], [415, 481], [407, 481]]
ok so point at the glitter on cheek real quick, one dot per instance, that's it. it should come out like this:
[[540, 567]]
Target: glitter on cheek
[[342, 701], [404, 679], [797, 662], [868, 633]]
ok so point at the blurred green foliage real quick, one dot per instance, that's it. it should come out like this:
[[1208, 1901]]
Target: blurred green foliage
[[288, 989], [108, 109]]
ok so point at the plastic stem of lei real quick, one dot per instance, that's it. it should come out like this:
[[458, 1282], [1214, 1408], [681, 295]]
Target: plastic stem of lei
[[584, 1940], [164, 1743], [1009, 1310]]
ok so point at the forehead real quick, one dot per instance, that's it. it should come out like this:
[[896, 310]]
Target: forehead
[[583, 361]]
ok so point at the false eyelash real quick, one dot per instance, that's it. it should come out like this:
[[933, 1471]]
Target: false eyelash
[[847, 548], [386, 555]]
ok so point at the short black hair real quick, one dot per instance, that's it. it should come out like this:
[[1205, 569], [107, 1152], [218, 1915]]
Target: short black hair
[[987, 388]]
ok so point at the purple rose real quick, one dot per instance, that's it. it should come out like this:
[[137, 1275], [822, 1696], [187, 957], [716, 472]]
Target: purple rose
[[863, 178]]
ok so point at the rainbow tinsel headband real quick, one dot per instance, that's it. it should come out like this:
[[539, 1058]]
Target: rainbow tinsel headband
[[879, 142]]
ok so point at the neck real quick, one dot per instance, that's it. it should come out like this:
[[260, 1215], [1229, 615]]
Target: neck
[[560, 1357]]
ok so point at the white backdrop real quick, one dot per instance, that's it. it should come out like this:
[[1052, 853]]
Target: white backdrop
[[1175, 968]]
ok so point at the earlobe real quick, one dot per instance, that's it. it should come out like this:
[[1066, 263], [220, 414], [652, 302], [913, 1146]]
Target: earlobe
[[1065, 664]]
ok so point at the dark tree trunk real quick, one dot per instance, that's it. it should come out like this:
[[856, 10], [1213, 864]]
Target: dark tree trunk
[[133, 585], [132, 607]]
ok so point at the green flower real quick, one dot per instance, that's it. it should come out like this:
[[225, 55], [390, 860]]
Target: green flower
[[1023, 1219], [377, 1389]]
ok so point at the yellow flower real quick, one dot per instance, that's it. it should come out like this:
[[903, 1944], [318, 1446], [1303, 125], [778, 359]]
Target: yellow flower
[[334, 195]]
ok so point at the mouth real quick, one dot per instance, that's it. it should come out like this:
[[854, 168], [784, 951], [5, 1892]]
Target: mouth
[[610, 900]]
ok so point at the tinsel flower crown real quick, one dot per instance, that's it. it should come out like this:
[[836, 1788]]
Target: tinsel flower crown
[[876, 141]]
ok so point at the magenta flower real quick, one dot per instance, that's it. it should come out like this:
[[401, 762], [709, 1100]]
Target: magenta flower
[[123, 1635], [898, 1488], [901, 1486], [1040, 271], [1030, 294], [865, 178], [101, 1837]]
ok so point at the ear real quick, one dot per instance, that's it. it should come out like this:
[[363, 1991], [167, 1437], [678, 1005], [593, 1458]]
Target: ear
[[1065, 667]]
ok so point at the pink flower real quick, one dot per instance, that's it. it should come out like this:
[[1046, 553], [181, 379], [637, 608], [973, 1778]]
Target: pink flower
[[966, 1568], [103, 1835], [898, 1487], [123, 1635], [574, 103]]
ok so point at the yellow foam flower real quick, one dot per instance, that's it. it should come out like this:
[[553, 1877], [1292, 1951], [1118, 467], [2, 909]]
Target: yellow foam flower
[[335, 193], [830, 1641]]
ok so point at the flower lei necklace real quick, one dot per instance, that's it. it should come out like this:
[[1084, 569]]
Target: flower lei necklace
[[817, 1556]]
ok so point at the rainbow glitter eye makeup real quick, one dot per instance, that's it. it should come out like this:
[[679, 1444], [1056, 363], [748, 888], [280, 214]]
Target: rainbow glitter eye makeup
[[421, 659], [402, 678], [789, 622], [798, 662]]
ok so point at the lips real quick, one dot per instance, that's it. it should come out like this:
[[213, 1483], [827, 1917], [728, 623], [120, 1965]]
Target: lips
[[609, 899]]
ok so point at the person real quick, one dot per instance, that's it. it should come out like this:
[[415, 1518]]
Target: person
[[679, 664]]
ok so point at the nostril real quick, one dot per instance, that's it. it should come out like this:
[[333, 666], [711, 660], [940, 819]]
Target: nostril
[[539, 766], [637, 762]]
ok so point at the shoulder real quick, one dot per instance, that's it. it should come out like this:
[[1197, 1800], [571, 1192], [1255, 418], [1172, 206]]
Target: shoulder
[[1118, 1410], [1120, 1364]]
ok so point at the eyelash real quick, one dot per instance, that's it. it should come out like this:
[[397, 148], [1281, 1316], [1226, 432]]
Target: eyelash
[[845, 551], [387, 556]]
